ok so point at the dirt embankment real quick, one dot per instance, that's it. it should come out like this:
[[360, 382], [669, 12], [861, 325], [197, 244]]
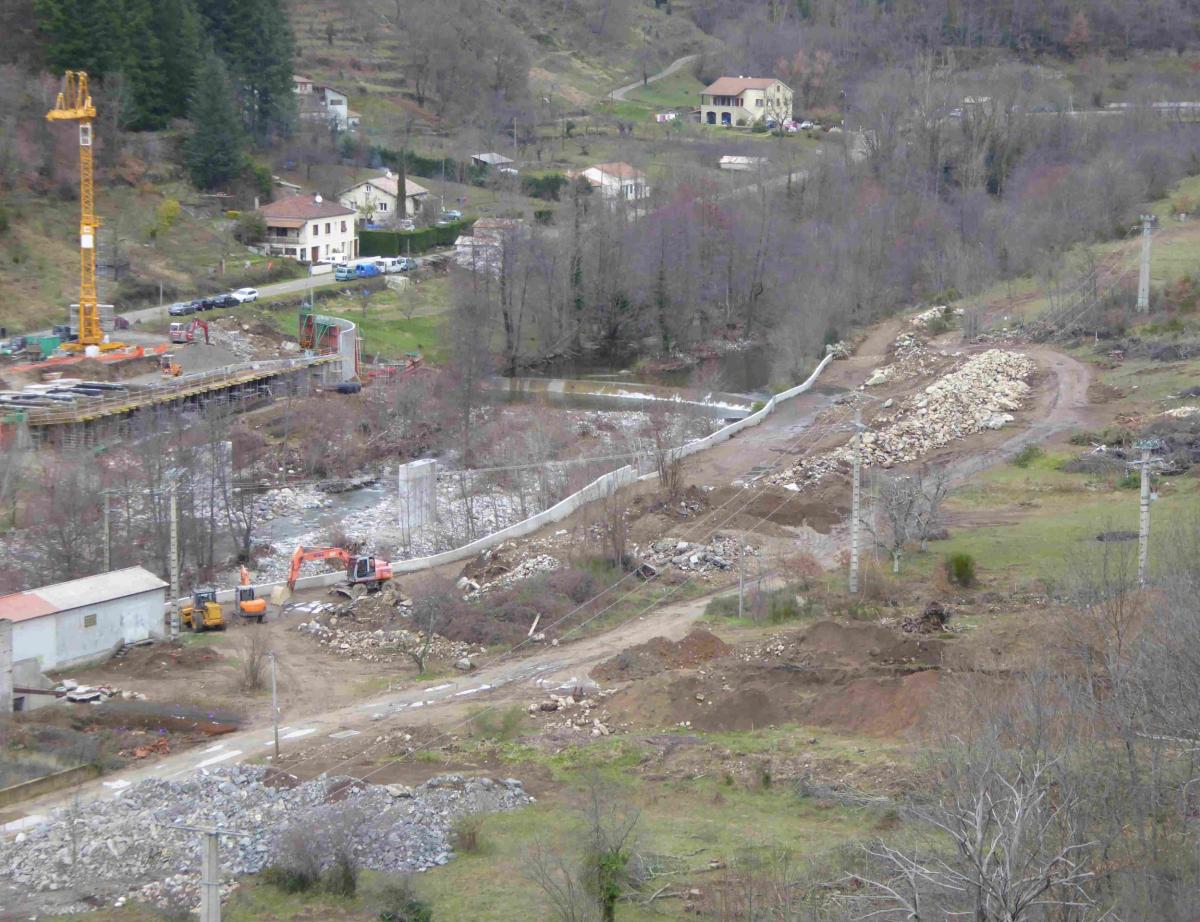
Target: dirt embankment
[[855, 678]]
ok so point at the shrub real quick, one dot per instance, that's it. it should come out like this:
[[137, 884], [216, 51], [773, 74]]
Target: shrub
[[543, 215], [503, 725], [960, 570], [464, 834], [341, 877], [1131, 481], [1027, 455], [547, 186], [399, 903]]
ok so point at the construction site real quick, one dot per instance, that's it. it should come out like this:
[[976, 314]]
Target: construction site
[[268, 603]]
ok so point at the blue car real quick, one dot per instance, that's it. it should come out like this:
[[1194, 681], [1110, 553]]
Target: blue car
[[366, 270]]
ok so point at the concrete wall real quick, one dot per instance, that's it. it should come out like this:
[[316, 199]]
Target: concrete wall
[[61, 640], [602, 486]]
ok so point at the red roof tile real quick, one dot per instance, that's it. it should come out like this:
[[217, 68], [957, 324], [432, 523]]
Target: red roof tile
[[305, 208], [732, 86]]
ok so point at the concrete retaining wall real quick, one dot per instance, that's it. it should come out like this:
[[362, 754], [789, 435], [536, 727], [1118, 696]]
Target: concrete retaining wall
[[631, 394], [47, 784], [599, 488]]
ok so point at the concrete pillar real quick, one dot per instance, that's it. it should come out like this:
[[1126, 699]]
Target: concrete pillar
[[417, 498], [6, 666]]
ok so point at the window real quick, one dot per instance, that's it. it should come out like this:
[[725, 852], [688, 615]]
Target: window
[[758, 102], [89, 620], [326, 227], [383, 206], [343, 227], [316, 230]]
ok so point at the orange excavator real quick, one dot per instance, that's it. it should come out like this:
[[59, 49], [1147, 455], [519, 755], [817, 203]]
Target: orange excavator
[[250, 607], [361, 570], [186, 332]]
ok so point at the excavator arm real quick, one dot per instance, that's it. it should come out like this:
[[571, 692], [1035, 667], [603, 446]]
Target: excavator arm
[[304, 554]]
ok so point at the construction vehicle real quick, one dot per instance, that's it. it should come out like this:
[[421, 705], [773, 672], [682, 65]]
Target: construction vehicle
[[202, 613], [361, 570], [169, 367], [248, 606], [74, 104], [186, 332]]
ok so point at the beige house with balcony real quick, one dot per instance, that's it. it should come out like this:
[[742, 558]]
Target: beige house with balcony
[[378, 201], [310, 229], [739, 102]]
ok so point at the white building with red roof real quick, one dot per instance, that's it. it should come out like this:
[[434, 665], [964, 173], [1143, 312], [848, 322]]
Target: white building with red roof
[[616, 180], [85, 619], [739, 102], [310, 229]]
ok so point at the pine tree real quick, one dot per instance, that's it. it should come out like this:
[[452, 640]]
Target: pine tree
[[214, 151], [80, 34], [142, 63], [180, 35]]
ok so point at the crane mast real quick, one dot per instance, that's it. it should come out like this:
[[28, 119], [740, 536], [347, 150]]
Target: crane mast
[[74, 103]]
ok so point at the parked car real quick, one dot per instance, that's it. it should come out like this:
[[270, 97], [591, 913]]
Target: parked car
[[224, 301], [405, 264], [366, 270], [181, 309], [406, 224], [452, 215], [243, 295], [200, 304], [343, 272]]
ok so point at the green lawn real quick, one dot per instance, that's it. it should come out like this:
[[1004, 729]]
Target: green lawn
[[680, 90]]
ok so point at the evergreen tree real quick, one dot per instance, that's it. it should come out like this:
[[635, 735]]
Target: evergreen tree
[[142, 63], [180, 35], [214, 151], [255, 39], [81, 34]]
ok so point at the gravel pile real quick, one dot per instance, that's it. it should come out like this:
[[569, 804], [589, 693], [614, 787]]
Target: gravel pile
[[976, 396], [128, 847], [721, 553], [530, 567], [380, 645], [910, 359]]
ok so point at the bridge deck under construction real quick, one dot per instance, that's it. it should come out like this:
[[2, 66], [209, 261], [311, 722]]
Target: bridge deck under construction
[[72, 419]]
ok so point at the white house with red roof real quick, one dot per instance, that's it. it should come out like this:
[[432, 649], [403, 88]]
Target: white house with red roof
[[310, 229], [85, 619], [739, 102], [616, 180]]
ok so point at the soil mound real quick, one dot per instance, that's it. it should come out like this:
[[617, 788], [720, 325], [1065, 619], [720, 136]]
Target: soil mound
[[658, 654], [862, 644]]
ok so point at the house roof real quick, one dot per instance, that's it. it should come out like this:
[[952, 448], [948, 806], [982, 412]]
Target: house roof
[[731, 86], [298, 78], [304, 208], [78, 593], [391, 185], [618, 170], [492, 158]]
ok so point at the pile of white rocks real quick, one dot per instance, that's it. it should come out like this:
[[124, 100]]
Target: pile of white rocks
[[527, 568], [926, 317], [980, 394], [721, 553], [132, 846], [382, 646], [586, 716]]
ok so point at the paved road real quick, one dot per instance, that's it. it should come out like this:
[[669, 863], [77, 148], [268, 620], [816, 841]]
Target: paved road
[[665, 72]]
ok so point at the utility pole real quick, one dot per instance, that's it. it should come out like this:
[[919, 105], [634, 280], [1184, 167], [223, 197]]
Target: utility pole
[[107, 534], [274, 706], [855, 500], [210, 879], [1143, 295], [1146, 446], [173, 550]]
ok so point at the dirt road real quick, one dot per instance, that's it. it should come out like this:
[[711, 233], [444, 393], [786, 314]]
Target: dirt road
[[522, 676], [665, 72]]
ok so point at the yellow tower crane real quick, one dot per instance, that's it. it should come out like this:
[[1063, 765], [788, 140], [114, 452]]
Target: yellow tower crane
[[74, 104]]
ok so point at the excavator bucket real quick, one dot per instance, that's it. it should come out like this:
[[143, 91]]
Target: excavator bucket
[[280, 594]]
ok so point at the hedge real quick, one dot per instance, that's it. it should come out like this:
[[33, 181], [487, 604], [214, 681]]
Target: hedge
[[463, 171], [411, 243]]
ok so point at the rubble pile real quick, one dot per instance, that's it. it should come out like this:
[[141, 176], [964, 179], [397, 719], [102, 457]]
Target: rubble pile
[[924, 318], [380, 645], [130, 847], [576, 714], [1181, 412], [531, 566], [721, 553], [910, 359], [980, 394]]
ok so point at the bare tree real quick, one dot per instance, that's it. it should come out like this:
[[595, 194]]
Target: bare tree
[[1014, 852], [909, 508], [428, 613]]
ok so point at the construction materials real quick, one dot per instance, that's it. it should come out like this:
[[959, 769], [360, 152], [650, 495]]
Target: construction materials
[[74, 104], [168, 366], [361, 570], [202, 613]]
